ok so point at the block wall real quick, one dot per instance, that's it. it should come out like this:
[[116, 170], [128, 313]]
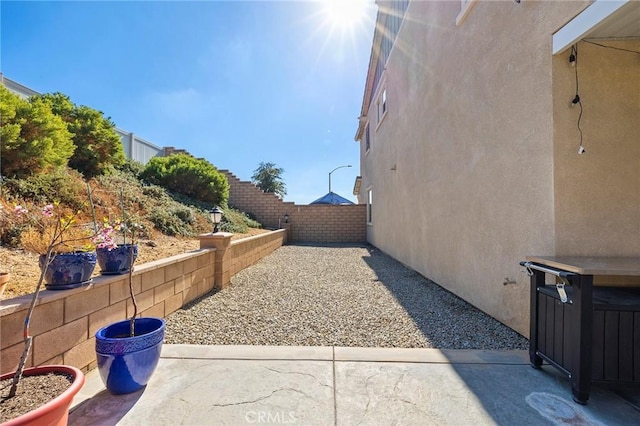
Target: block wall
[[327, 223], [247, 251], [64, 322], [267, 208], [324, 223]]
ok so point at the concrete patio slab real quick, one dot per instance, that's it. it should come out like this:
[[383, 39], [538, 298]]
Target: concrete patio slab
[[219, 392], [463, 394], [233, 385]]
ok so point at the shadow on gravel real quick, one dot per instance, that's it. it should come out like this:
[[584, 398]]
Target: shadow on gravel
[[447, 321]]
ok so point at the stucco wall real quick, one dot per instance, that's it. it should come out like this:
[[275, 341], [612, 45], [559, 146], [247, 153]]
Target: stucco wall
[[597, 194], [461, 167]]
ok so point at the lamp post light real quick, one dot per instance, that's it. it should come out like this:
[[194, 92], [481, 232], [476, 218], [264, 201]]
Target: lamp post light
[[216, 218], [339, 167]]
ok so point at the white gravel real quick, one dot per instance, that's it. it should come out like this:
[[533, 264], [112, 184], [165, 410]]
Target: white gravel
[[336, 296]]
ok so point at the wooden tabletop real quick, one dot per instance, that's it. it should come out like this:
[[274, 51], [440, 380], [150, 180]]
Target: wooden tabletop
[[586, 265]]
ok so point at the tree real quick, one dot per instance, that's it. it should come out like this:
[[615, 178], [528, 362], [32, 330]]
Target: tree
[[98, 146], [32, 138], [268, 177], [184, 174]]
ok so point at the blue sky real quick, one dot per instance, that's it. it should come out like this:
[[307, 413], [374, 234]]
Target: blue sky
[[235, 82]]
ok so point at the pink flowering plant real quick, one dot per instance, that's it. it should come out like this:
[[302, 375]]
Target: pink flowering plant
[[111, 233], [105, 237], [53, 230], [50, 231]]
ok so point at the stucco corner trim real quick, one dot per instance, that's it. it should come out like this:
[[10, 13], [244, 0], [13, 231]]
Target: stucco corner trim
[[464, 11]]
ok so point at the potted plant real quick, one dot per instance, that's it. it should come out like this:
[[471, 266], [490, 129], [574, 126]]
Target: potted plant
[[67, 255], [114, 258], [128, 351], [115, 255], [52, 402], [4, 276], [4, 280]]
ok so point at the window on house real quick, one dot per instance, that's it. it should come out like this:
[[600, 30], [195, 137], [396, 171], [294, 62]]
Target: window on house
[[367, 139], [382, 104], [369, 204]]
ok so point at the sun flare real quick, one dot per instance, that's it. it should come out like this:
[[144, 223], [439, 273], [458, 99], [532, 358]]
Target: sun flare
[[344, 14]]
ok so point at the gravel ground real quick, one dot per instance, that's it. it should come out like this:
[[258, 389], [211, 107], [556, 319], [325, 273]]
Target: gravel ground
[[336, 296]]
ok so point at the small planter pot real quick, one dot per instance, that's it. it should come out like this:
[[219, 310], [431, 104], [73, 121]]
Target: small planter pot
[[116, 261], [68, 270], [4, 280], [127, 363], [56, 411]]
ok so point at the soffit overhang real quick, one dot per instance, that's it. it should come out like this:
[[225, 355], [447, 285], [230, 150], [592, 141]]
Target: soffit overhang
[[603, 19]]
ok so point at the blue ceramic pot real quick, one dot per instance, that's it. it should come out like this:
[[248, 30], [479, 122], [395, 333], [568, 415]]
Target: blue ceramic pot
[[127, 363], [68, 270], [116, 261]]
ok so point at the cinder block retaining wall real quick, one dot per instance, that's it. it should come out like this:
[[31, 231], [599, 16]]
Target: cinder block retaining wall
[[64, 322], [307, 223], [328, 223]]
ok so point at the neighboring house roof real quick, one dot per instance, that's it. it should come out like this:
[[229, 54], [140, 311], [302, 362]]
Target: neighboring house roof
[[332, 198]]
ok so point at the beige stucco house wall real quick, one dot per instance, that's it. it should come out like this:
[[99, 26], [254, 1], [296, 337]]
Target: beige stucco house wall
[[475, 165]]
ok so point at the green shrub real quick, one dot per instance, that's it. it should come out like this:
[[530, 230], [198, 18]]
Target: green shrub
[[156, 192], [185, 214], [133, 167], [236, 221], [196, 178], [169, 223], [32, 138], [97, 145], [10, 234], [61, 185]]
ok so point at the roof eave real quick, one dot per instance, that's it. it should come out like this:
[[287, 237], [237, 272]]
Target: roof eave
[[368, 88]]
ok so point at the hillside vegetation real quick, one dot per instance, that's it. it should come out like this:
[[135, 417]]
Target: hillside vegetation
[[53, 151], [170, 221]]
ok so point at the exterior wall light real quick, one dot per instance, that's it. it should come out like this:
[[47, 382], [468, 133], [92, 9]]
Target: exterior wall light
[[286, 218], [216, 218]]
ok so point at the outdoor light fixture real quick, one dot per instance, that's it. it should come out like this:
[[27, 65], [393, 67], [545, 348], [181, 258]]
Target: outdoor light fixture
[[216, 218], [575, 101], [286, 218], [573, 56], [340, 167]]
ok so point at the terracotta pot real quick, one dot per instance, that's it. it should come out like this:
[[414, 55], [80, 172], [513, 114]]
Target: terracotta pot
[[4, 280], [56, 411]]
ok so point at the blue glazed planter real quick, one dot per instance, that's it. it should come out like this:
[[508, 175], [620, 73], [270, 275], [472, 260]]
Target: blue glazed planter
[[116, 261], [68, 270], [127, 363]]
